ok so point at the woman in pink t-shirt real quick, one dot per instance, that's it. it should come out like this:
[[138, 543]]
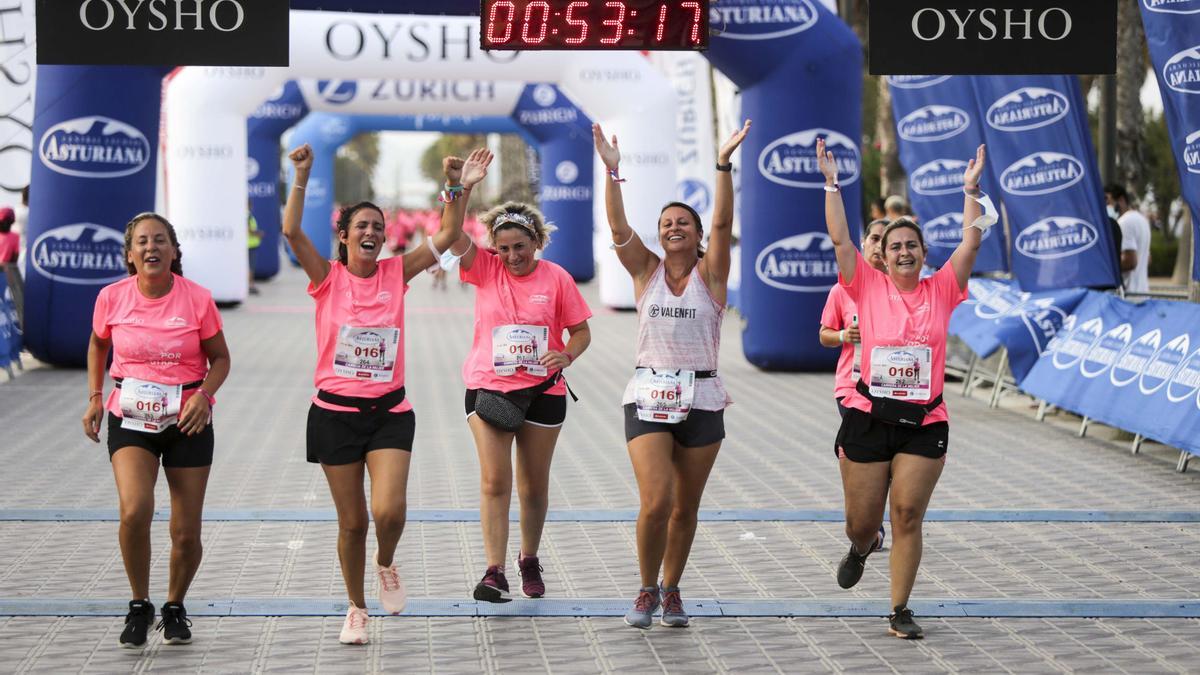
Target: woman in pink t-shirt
[[675, 402], [523, 305], [360, 419], [895, 431], [169, 359]]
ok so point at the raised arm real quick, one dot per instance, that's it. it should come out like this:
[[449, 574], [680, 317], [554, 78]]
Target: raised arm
[[638, 260], [835, 214], [465, 173], [314, 264], [714, 267], [963, 258]]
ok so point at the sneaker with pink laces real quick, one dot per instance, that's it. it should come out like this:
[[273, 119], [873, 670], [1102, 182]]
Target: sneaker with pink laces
[[392, 594], [354, 628], [531, 576]]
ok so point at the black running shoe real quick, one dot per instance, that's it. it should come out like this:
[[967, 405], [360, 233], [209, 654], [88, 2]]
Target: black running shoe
[[137, 623], [850, 570], [493, 587], [902, 624], [175, 624]]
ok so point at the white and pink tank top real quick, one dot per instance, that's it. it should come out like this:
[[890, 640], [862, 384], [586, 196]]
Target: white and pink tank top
[[681, 331]]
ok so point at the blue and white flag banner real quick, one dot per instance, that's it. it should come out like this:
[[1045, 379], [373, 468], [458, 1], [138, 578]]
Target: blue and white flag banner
[[1040, 150], [1173, 33], [1133, 366], [999, 314], [939, 126]]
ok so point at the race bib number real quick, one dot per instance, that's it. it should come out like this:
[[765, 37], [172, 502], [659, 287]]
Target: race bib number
[[664, 396], [149, 406], [901, 372], [366, 353], [856, 365], [519, 346]]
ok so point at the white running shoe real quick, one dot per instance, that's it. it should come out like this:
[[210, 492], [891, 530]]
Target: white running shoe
[[354, 629], [392, 594]]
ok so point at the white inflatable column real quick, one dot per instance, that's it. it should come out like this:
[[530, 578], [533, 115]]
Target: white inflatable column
[[204, 162]]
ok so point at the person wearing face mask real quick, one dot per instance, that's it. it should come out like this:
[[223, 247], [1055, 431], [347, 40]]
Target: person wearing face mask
[[169, 358], [895, 431], [513, 375], [675, 402], [360, 419]]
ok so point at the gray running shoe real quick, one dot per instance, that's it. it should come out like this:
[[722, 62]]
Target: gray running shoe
[[642, 613], [673, 615], [902, 624]]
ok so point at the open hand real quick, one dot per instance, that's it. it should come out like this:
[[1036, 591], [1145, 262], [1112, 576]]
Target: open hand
[[732, 144], [610, 153], [475, 168], [825, 163], [975, 167]]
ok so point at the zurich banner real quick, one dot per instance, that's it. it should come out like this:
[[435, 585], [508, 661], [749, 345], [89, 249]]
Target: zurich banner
[[1040, 150], [1132, 366], [799, 68], [263, 130], [100, 149], [999, 314], [564, 135], [939, 127], [1173, 32]]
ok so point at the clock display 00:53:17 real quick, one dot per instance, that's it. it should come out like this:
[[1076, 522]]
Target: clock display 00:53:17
[[594, 24]]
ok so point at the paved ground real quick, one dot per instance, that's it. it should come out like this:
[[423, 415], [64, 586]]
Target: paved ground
[[1031, 523]]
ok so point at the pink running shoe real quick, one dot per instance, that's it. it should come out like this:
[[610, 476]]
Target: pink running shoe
[[392, 594], [354, 629], [531, 576]]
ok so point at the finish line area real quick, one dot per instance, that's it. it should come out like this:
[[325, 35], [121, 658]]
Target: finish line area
[[1043, 552]]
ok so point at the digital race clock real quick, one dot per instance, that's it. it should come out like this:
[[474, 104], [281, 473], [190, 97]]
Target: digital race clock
[[594, 24]]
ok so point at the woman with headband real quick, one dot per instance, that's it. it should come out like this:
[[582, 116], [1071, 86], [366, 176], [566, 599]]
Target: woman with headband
[[515, 389]]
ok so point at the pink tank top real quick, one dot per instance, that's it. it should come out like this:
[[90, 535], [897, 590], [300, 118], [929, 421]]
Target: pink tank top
[[681, 332]]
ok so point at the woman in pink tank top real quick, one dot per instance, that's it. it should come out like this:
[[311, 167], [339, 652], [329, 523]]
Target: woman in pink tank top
[[895, 430], [360, 419], [674, 404]]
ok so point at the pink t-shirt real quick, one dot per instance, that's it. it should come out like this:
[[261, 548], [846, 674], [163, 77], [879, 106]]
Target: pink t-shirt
[[156, 339], [839, 314], [10, 247], [356, 303], [890, 317], [547, 296]]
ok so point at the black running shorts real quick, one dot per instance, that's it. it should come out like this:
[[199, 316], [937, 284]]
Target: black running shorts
[[171, 446], [866, 439], [546, 410], [702, 427], [337, 437]]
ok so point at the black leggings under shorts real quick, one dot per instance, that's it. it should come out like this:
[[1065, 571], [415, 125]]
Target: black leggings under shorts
[[171, 446], [866, 439], [702, 427], [546, 410], [339, 437]]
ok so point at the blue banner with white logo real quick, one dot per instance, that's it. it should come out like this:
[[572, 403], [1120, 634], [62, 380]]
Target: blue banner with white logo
[[1040, 150], [1132, 366], [939, 127], [263, 130], [1173, 33], [800, 73], [999, 314], [564, 135], [100, 148]]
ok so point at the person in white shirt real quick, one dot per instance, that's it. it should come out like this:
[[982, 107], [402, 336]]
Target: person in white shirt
[[1135, 240]]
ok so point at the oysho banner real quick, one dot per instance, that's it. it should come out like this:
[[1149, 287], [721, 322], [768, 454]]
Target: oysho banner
[[1040, 150], [163, 32], [17, 71], [939, 127], [1173, 32], [999, 314], [1133, 366]]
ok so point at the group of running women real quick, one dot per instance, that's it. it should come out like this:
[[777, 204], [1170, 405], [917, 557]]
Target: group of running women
[[169, 358]]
